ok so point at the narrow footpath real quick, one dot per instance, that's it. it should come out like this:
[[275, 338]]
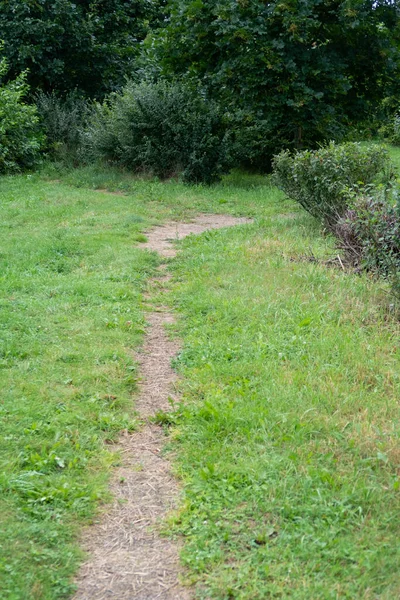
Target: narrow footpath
[[128, 558]]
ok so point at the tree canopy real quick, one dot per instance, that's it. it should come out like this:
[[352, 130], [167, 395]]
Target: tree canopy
[[304, 68], [286, 73], [89, 45]]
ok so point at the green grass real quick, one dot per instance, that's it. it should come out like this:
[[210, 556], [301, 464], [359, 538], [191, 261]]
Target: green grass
[[70, 281], [288, 435], [287, 438], [71, 278]]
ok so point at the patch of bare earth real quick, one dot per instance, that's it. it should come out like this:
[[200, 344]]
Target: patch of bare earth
[[128, 558], [161, 238]]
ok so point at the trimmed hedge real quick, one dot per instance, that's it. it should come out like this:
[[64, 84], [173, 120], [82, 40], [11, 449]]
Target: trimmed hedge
[[369, 233], [339, 184], [321, 179]]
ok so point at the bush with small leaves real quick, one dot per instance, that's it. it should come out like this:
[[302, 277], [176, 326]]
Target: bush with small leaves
[[163, 128], [63, 121], [20, 138], [369, 233], [320, 180], [395, 130]]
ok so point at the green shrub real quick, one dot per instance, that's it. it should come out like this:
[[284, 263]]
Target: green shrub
[[63, 120], [320, 180], [20, 139], [390, 130], [389, 117], [254, 141], [395, 130], [165, 128], [369, 233]]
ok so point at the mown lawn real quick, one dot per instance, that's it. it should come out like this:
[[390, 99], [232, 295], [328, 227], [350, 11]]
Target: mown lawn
[[287, 440]]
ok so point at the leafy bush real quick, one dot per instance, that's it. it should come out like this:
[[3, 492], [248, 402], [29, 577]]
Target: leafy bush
[[165, 128], [320, 180], [395, 133], [20, 139], [390, 129], [63, 120], [369, 233], [388, 116]]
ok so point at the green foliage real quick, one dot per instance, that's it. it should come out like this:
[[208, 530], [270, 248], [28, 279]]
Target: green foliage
[[395, 130], [290, 74], [388, 117], [254, 141], [370, 233], [90, 45], [20, 139], [161, 128], [384, 117], [320, 180], [336, 185], [63, 121]]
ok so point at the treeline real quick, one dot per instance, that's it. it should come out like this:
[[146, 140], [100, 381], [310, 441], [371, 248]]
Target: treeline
[[290, 73], [85, 46], [285, 74]]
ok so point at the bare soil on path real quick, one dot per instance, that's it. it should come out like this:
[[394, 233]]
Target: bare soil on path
[[128, 558]]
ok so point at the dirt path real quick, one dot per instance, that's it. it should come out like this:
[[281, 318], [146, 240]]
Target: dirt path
[[127, 556]]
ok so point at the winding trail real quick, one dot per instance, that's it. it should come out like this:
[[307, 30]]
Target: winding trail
[[128, 558]]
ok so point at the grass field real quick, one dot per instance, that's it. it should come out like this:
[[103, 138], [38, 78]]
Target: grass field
[[287, 441], [71, 279], [289, 434]]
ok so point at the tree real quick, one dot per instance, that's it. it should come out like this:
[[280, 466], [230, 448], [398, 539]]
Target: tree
[[20, 138], [88, 45], [289, 72]]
